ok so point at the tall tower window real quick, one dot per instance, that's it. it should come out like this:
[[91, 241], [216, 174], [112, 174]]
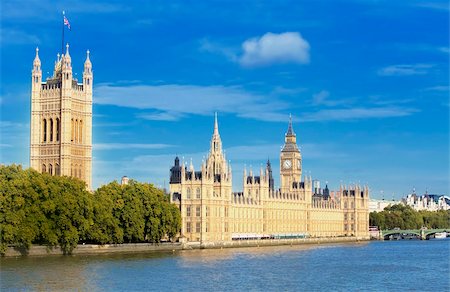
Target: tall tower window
[[76, 131], [197, 193], [57, 129], [81, 132], [57, 169], [72, 131], [44, 130], [51, 130], [50, 169], [44, 169]]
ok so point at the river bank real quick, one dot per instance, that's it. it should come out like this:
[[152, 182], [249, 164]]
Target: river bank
[[92, 249]]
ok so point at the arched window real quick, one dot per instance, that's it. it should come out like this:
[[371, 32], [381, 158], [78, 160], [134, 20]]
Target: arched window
[[188, 193], [44, 130], [51, 130], [57, 129], [57, 169], [72, 132], [76, 131], [50, 169], [197, 193], [44, 169], [81, 131], [345, 205], [353, 205]]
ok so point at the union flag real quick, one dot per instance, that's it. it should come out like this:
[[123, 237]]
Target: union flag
[[66, 22]]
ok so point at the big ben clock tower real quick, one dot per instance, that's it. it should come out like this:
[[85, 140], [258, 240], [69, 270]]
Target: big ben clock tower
[[290, 161]]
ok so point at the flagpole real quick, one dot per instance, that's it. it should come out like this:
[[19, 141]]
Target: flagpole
[[62, 42]]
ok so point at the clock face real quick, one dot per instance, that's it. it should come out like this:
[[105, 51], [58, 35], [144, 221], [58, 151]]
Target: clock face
[[287, 164]]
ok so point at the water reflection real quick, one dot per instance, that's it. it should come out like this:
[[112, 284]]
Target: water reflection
[[336, 267]]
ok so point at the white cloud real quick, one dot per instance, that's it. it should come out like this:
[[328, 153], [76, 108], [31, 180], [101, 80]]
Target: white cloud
[[271, 48], [174, 100], [438, 88], [445, 50], [160, 116], [115, 146], [216, 48], [10, 36], [404, 70], [357, 114]]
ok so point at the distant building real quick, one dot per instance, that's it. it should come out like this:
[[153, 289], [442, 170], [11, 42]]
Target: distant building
[[124, 180], [429, 202], [61, 120], [379, 205], [211, 212]]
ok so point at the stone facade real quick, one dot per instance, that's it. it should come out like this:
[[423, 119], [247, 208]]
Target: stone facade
[[211, 212], [61, 120]]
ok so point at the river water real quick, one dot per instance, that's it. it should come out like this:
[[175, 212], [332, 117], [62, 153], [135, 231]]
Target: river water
[[371, 266]]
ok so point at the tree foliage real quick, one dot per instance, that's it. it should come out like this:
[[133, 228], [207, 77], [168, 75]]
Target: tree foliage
[[58, 211], [404, 217]]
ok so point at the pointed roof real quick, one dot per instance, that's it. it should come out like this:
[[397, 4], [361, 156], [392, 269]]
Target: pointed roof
[[216, 125], [290, 131], [37, 61], [88, 60]]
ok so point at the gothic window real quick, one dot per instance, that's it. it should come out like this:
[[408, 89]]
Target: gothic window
[[58, 126], [72, 132], [50, 169], [57, 169], [197, 211], [207, 211], [188, 211], [51, 130], [197, 227], [197, 193], [188, 227], [44, 128], [81, 131], [44, 169], [87, 81], [76, 131], [207, 227], [353, 205], [188, 193], [345, 205]]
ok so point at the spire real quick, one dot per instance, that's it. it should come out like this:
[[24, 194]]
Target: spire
[[216, 125], [87, 63], [37, 61], [67, 49], [290, 131]]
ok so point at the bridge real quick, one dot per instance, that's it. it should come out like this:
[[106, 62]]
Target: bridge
[[421, 233]]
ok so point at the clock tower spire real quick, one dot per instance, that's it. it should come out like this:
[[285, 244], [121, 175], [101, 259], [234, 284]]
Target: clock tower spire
[[290, 161]]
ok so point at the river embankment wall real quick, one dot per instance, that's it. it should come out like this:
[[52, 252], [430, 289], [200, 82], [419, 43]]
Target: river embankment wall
[[92, 249]]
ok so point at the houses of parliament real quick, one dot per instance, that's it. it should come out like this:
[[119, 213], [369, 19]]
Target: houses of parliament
[[212, 212], [61, 144]]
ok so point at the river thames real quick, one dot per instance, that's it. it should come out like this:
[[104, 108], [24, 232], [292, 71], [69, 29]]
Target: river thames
[[370, 266]]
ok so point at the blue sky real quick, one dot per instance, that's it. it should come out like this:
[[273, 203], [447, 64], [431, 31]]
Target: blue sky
[[367, 83]]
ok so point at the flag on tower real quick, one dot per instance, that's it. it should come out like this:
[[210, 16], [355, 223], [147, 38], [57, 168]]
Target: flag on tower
[[66, 22]]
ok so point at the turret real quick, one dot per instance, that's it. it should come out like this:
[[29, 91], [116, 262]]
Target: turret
[[66, 70], [36, 74], [87, 76]]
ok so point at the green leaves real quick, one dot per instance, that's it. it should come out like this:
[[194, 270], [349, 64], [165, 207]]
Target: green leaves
[[49, 210], [404, 217]]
